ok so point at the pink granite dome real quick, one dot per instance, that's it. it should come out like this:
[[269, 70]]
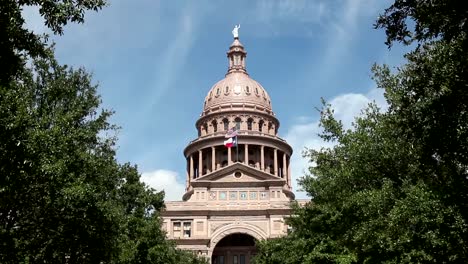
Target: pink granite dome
[[237, 88]]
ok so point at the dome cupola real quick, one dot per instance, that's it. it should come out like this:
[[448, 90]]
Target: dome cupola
[[237, 89]]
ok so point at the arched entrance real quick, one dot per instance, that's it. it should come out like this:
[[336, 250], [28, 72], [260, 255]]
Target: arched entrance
[[234, 249]]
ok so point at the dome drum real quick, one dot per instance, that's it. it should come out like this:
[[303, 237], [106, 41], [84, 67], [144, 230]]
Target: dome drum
[[217, 142], [239, 107], [219, 123]]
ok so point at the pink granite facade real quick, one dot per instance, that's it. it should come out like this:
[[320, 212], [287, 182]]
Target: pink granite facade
[[236, 195]]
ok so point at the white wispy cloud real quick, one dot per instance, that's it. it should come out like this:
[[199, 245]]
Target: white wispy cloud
[[343, 32], [288, 17], [291, 10], [165, 180], [305, 134], [175, 55]]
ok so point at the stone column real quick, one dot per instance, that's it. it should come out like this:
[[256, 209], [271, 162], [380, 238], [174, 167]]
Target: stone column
[[191, 167], [285, 173], [246, 155], [213, 159], [187, 170], [229, 157], [289, 172], [262, 158], [275, 161], [200, 163]]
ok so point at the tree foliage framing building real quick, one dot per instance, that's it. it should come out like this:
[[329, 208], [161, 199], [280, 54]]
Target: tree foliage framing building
[[63, 196], [394, 188]]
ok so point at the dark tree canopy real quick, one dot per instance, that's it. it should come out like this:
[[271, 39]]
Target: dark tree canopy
[[447, 19], [17, 41], [64, 198], [394, 188]]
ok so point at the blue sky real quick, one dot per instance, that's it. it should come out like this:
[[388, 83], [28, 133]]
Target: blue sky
[[156, 60]]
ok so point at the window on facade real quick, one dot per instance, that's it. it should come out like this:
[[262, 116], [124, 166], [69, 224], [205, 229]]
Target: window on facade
[[260, 125], [218, 259], [215, 126], [270, 126], [218, 91], [249, 124], [182, 228], [242, 259], [205, 127], [176, 229], [227, 89], [225, 124], [224, 164], [256, 90], [238, 123], [187, 229], [247, 90]]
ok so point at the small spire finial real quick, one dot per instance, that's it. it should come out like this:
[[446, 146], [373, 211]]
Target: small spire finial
[[235, 31]]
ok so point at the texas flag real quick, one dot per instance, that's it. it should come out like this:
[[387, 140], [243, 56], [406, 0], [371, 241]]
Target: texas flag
[[230, 142], [231, 133]]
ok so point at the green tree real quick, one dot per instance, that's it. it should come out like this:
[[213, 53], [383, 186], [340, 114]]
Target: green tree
[[141, 239], [63, 196], [394, 187], [59, 177], [17, 41]]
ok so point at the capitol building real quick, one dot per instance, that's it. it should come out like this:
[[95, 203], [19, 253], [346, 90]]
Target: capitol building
[[238, 185]]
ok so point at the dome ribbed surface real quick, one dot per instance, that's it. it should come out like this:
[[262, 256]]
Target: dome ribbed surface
[[237, 88]]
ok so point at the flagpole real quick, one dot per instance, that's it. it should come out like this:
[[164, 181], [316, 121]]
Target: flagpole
[[237, 149]]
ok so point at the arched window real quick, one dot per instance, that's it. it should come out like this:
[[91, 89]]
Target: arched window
[[205, 128], [218, 91], [260, 125], [227, 89], [247, 90], [215, 126], [226, 124], [270, 126], [249, 124], [238, 123]]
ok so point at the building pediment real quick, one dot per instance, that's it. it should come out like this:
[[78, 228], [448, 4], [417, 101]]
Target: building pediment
[[238, 174]]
